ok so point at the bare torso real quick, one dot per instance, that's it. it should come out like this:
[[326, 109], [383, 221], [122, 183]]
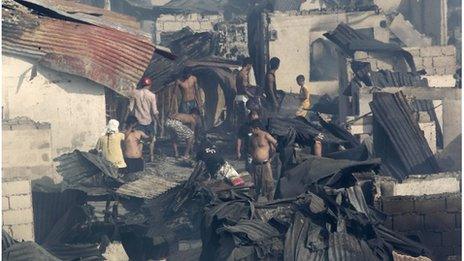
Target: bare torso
[[132, 144], [187, 87], [261, 143]]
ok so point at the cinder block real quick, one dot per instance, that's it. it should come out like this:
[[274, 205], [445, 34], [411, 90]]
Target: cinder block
[[419, 62], [448, 50], [23, 232], [439, 71], [440, 221], [16, 187], [414, 51], [408, 222], [194, 25], [432, 239], [206, 26], [430, 51], [172, 26], [398, 205], [426, 205], [360, 55], [166, 17], [20, 202], [15, 217], [443, 61], [5, 203], [427, 62], [450, 70], [453, 203]]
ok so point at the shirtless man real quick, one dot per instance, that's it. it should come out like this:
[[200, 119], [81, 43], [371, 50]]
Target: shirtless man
[[242, 85], [183, 127], [270, 87], [190, 94], [133, 146], [262, 144]]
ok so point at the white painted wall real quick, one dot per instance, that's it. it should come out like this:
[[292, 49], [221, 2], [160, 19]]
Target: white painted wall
[[296, 32], [74, 106]]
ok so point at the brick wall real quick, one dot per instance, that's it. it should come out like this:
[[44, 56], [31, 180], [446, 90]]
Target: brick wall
[[196, 22], [17, 209], [27, 149], [435, 218]]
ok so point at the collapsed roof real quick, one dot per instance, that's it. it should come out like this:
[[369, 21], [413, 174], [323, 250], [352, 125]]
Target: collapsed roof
[[66, 38]]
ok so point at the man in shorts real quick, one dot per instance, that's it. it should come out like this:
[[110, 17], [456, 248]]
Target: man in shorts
[[262, 145], [183, 127], [143, 106]]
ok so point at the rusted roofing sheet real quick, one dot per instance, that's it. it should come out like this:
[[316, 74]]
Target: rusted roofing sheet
[[148, 187], [107, 56], [87, 13]]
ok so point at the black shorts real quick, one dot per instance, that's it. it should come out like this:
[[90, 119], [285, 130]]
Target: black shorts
[[134, 165], [149, 129]]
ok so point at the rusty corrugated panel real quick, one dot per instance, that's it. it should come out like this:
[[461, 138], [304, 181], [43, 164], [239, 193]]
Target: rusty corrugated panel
[[88, 13], [107, 56], [148, 187]]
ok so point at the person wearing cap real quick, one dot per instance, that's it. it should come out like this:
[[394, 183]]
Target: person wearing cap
[[143, 106], [109, 144]]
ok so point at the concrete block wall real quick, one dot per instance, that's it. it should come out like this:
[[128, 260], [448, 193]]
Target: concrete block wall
[[436, 60], [196, 22], [27, 149], [18, 219], [436, 219]]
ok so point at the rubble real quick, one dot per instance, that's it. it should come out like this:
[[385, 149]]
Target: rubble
[[382, 194]]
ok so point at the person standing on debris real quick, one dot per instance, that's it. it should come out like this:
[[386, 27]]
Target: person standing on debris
[[183, 128], [242, 85], [143, 106], [191, 97], [109, 144], [243, 138], [305, 104], [270, 87], [133, 146], [262, 145]]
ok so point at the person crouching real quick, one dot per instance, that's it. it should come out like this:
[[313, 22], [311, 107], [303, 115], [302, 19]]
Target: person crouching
[[133, 146]]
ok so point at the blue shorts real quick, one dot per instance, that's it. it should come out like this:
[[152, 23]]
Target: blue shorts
[[187, 106], [149, 129]]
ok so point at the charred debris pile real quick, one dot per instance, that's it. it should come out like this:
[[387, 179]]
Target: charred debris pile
[[323, 209]]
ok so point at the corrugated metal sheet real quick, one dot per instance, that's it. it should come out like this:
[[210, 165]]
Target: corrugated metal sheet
[[147, 187], [89, 14], [50, 207], [394, 116], [82, 252], [107, 56], [27, 251], [351, 41], [85, 171]]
